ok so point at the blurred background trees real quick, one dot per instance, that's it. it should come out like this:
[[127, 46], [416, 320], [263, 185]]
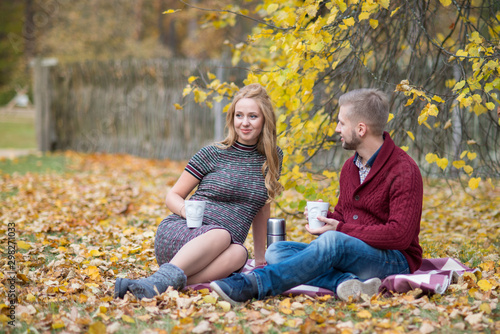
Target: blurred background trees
[[74, 31], [438, 60]]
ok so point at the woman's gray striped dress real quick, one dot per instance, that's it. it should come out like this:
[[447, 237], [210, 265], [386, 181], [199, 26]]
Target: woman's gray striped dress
[[231, 181]]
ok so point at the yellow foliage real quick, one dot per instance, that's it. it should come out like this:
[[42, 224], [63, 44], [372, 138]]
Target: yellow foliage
[[468, 169], [447, 124], [442, 163], [437, 99], [474, 182], [349, 21], [459, 85], [170, 11], [272, 8], [299, 44], [431, 157], [410, 134], [374, 23], [471, 155], [384, 3], [363, 16]]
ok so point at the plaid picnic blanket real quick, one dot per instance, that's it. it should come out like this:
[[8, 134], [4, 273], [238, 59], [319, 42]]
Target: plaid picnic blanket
[[434, 276]]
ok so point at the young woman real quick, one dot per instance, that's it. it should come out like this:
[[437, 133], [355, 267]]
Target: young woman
[[238, 178]]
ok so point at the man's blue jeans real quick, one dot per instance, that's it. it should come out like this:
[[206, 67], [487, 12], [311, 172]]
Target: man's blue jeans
[[329, 260]]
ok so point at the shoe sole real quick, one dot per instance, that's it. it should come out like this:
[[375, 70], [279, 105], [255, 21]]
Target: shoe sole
[[221, 293], [355, 288]]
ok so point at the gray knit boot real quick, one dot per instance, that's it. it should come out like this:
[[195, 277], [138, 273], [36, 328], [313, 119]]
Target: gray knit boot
[[121, 287], [167, 275]]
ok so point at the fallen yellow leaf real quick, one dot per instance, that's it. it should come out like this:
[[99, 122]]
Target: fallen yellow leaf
[[225, 306], [128, 319], [23, 245], [364, 314], [31, 298], [97, 328], [486, 308], [484, 285], [58, 324], [95, 253], [210, 299]]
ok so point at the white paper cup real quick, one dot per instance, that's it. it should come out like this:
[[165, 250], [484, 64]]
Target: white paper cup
[[315, 210], [194, 212]]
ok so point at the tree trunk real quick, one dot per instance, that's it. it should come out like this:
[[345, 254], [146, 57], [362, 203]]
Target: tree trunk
[[139, 26], [456, 123], [167, 37], [160, 8], [29, 31]]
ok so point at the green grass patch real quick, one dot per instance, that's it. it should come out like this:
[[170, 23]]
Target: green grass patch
[[35, 164], [9, 193], [17, 133]]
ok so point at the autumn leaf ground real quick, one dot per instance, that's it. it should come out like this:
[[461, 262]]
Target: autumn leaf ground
[[81, 220]]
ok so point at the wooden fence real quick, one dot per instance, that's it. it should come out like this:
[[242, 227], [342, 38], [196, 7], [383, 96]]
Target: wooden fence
[[126, 107]]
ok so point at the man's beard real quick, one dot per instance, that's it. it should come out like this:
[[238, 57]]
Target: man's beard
[[353, 143]]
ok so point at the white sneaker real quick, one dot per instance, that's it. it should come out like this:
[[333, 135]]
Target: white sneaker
[[354, 288]]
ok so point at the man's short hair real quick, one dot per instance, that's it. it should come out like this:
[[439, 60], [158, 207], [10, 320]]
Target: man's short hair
[[370, 106]]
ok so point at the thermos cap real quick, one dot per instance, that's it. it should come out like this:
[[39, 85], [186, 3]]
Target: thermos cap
[[276, 226]]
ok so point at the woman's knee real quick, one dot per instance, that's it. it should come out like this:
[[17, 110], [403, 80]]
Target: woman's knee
[[219, 236], [238, 254]]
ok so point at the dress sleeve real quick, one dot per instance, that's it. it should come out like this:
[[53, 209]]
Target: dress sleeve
[[203, 162]]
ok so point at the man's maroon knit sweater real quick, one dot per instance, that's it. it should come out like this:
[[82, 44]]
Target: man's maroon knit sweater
[[385, 210]]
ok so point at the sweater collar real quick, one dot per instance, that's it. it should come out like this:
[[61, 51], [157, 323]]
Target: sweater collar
[[370, 161], [383, 155], [244, 148]]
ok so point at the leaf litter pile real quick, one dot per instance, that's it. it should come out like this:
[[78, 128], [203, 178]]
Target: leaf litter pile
[[76, 232]]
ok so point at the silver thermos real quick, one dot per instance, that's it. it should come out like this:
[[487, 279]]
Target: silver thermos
[[276, 230]]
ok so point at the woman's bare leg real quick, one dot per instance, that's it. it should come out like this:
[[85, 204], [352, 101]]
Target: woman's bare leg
[[205, 258], [232, 259], [198, 253]]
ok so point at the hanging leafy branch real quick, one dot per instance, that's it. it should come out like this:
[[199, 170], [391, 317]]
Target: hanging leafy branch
[[439, 58]]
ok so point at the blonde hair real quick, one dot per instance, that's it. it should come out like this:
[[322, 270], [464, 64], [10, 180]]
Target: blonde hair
[[266, 143], [368, 105]]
